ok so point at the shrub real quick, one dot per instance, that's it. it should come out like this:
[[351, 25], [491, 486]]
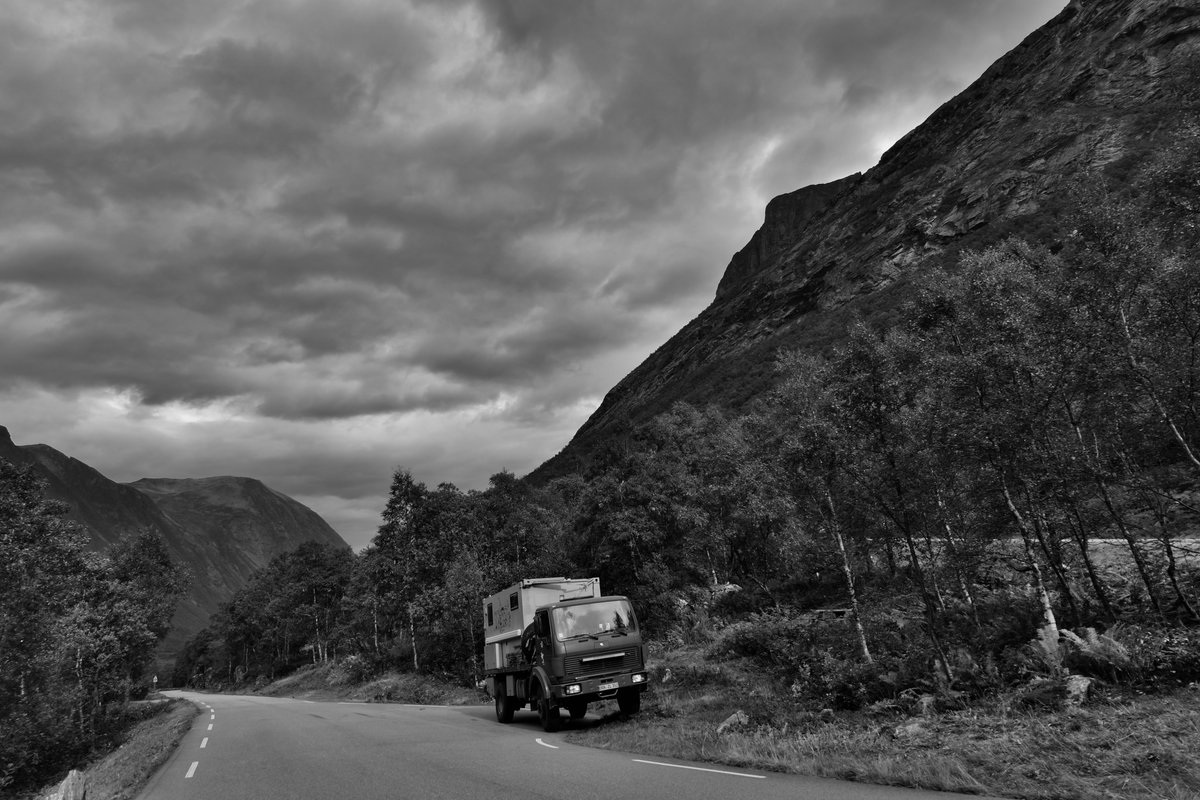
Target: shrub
[[350, 670], [1094, 654], [852, 684], [775, 638], [1160, 657]]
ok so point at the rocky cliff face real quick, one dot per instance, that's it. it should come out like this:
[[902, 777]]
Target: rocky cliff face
[[222, 529], [1097, 94]]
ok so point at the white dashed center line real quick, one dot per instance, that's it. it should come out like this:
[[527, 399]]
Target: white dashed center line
[[204, 743], [210, 726], [192, 769]]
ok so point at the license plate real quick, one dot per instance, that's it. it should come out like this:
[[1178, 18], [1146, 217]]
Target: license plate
[[604, 687]]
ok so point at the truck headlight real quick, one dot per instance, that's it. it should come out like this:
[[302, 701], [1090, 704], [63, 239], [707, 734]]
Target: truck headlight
[[574, 688], [639, 678]]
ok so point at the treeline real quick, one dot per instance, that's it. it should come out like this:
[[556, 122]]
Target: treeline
[[410, 600], [77, 630], [1019, 453]]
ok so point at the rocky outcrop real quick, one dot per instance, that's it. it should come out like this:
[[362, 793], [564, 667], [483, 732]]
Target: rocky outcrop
[[788, 217], [1097, 93]]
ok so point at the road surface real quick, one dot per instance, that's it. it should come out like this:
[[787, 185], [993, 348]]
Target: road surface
[[246, 748]]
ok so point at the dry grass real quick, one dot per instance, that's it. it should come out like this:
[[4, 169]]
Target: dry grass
[[121, 774], [395, 687], [326, 682], [1122, 747]]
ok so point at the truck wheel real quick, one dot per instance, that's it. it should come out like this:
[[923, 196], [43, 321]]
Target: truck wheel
[[551, 721], [505, 706], [577, 709], [629, 701]]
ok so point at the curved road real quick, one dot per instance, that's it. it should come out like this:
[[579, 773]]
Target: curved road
[[250, 747]]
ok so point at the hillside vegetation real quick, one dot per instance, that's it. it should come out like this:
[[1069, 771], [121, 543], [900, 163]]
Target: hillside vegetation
[[78, 632], [997, 493]]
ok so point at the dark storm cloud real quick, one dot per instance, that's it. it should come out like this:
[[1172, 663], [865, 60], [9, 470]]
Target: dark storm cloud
[[309, 241], [258, 78]]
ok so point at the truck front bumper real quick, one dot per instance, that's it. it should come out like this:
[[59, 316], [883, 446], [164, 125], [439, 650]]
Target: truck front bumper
[[592, 688]]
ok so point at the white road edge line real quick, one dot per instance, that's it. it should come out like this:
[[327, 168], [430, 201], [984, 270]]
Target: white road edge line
[[352, 703], [204, 743], [192, 769], [700, 769], [543, 744]]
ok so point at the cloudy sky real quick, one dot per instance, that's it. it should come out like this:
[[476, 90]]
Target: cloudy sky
[[311, 241]]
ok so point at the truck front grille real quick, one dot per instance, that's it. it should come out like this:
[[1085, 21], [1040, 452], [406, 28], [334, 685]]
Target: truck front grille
[[600, 662]]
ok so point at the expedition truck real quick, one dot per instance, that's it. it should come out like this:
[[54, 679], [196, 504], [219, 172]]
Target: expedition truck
[[552, 643]]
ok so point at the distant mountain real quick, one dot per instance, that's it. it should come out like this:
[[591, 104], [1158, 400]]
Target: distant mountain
[[222, 529], [1100, 93]]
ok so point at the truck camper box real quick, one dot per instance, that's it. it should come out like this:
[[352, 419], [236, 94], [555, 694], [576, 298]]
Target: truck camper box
[[507, 613]]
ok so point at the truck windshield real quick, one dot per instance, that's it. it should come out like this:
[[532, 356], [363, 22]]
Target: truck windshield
[[610, 616]]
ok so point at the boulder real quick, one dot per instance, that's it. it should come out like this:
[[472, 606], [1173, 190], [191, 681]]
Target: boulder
[[1078, 688], [73, 787], [737, 719], [909, 729]]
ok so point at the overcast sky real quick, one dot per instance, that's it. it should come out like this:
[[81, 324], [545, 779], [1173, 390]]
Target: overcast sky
[[311, 241]]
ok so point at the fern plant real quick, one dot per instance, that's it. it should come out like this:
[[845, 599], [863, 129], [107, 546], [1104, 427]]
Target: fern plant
[[1043, 656], [1094, 654]]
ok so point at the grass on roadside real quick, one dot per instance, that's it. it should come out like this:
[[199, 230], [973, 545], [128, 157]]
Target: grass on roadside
[[324, 681], [122, 773], [1119, 747]]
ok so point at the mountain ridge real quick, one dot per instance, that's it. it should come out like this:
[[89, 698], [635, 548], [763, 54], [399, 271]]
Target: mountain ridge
[[221, 528], [1100, 89]]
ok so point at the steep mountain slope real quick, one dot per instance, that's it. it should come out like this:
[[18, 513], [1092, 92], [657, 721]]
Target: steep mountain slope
[[1102, 88], [222, 529]]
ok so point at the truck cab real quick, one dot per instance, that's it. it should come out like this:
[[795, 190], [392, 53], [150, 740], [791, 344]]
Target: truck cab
[[578, 649]]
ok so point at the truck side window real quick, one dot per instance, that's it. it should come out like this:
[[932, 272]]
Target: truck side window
[[513, 602], [489, 615]]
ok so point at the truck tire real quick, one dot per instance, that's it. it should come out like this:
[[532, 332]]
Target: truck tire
[[629, 701], [505, 706], [576, 709], [548, 712]]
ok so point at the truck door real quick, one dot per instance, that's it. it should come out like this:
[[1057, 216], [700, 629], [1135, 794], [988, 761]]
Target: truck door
[[541, 627]]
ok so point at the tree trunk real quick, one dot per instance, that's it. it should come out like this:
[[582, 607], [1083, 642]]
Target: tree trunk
[[931, 619], [1053, 555], [375, 622], [952, 548], [1148, 385], [1164, 533], [412, 632], [1035, 570], [836, 530], [1079, 533], [1130, 540]]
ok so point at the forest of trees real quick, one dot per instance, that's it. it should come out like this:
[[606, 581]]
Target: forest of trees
[[1014, 464], [78, 630]]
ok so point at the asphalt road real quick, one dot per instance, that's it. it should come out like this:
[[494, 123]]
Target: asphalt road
[[245, 748]]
